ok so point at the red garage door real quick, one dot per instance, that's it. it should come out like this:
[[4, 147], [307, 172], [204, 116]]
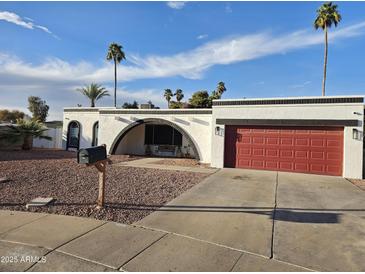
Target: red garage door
[[293, 149]]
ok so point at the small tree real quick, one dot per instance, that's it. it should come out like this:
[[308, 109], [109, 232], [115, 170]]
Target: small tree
[[200, 99], [127, 105], [10, 115], [25, 130], [38, 108], [94, 92], [175, 105]]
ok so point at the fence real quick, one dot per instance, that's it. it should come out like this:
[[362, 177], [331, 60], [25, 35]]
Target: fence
[[56, 142]]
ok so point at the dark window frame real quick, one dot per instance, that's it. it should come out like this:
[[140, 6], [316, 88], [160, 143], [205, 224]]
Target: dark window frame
[[153, 137], [68, 144]]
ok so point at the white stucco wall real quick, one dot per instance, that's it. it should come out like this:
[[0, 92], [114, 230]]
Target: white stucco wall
[[353, 149], [133, 142], [198, 126], [86, 117]]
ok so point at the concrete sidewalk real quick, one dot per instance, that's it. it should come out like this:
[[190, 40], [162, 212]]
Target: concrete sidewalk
[[42, 242]]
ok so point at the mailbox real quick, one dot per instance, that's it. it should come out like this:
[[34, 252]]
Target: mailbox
[[91, 155]]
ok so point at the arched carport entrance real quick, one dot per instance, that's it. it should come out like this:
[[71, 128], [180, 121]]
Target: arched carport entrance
[[148, 124]]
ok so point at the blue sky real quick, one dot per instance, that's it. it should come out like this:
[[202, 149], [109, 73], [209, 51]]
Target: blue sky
[[259, 49]]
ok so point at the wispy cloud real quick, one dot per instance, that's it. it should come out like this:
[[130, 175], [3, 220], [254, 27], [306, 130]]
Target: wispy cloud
[[228, 8], [25, 22], [176, 4], [301, 85], [202, 36]]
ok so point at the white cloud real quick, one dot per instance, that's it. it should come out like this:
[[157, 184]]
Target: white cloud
[[25, 22], [202, 36], [177, 5], [190, 64]]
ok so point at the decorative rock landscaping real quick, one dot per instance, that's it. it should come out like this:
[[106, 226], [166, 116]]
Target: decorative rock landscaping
[[131, 193]]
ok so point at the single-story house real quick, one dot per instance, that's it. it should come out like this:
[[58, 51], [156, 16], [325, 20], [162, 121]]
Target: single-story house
[[319, 135]]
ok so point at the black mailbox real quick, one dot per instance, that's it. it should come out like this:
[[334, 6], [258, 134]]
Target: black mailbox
[[91, 155]]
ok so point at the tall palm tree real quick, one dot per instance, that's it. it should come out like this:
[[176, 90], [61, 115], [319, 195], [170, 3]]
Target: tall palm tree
[[116, 54], [94, 92], [168, 95], [179, 95], [327, 15]]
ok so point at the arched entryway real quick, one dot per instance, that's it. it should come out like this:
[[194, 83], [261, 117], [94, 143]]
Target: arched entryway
[[73, 135], [156, 137]]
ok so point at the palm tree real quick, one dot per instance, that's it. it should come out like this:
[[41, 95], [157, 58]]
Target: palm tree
[[327, 15], [168, 95], [94, 92], [179, 95], [25, 130], [116, 54], [221, 88]]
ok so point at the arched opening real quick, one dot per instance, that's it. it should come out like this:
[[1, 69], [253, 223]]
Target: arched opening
[[155, 137], [94, 141], [73, 135]]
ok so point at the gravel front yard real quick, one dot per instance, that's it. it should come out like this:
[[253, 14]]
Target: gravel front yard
[[181, 162], [131, 193]]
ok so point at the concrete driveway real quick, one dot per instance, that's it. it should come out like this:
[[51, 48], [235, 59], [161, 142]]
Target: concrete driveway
[[315, 222]]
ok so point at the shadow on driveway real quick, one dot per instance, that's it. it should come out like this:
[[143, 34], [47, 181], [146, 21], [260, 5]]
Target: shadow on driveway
[[298, 215]]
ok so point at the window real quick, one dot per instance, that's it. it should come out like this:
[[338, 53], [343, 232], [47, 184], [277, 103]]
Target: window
[[162, 135], [73, 135], [95, 134]]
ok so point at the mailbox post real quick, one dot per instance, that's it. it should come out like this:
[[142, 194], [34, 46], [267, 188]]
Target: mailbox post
[[95, 156]]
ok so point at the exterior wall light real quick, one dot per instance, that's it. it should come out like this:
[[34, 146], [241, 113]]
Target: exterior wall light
[[356, 134], [219, 131]]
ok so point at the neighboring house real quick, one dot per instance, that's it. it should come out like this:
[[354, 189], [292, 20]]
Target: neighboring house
[[320, 135]]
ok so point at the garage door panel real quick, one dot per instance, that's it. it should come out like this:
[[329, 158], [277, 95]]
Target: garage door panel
[[302, 142], [244, 151], [286, 141], [272, 153], [258, 140], [295, 149], [258, 152], [287, 154], [318, 143], [258, 164], [301, 154], [272, 165], [317, 168], [333, 143], [288, 166], [317, 155], [301, 167]]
